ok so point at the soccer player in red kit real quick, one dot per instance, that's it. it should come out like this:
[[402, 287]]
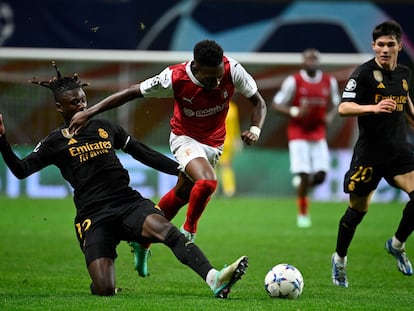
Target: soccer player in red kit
[[309, 97], [201, 89]]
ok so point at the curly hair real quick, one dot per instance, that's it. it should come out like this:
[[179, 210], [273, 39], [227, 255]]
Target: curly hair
[[58, 85], [208, 53]]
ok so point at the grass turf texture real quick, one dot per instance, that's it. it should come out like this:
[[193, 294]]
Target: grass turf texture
[[42, 267]]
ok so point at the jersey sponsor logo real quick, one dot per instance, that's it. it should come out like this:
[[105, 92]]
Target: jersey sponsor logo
[[351, 85], [312, 101], [202, 113], [401, 100], [90, 150]]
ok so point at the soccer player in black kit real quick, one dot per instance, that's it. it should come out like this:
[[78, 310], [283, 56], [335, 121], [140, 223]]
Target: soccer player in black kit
[[108, 210], [377, 92]]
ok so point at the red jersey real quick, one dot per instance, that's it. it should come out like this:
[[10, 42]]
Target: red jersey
[[317, 97], [199, 113]]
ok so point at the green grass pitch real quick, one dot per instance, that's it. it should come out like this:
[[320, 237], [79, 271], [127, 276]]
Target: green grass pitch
[[42, 267]]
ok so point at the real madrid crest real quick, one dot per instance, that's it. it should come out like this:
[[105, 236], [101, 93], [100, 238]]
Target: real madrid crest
[[66, 134], [102, 133]]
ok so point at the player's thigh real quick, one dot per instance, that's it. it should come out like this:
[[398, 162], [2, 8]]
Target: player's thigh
[[133, 222], [100, 240], [319, 154], [299, 155], [361, 179]]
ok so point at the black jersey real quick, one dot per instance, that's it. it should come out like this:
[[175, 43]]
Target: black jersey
[[380, 135], [89, 163]]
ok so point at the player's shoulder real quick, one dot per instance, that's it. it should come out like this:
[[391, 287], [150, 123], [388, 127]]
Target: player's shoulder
[[404, 69], [101, 124], [178, 67], [364, 68]]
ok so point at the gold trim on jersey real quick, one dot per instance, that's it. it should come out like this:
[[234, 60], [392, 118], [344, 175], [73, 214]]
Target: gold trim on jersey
[[379, 78], [405, 85]]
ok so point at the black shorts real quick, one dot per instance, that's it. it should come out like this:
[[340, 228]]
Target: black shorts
[[99, 236], [363, 176]]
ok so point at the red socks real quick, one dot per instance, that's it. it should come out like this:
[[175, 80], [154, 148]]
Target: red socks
[[199, 197], [170, 204], [303, 205]]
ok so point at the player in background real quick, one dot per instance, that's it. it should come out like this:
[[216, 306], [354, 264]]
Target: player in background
[[232, 145], [377, 93], [200, 90], [309, 98], [108, 210]]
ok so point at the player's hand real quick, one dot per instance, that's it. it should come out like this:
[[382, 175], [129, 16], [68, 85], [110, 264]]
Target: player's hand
[[385, 106], [2, 127], [79, 120], [249, 137]]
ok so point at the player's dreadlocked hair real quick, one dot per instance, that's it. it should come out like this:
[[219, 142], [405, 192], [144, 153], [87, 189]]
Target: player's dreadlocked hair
[[60, 84], [208, 53]]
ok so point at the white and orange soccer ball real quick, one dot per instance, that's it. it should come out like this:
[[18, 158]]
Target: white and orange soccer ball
[[284, 281]]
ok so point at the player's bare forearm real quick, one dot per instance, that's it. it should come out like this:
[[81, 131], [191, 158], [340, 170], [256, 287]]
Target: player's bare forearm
[[115, 100], [259, 110], [80, 119]]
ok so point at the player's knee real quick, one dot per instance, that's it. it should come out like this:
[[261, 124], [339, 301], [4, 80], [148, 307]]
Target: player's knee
[[409, 209], [351, 219], [205, 186], [318, 178]]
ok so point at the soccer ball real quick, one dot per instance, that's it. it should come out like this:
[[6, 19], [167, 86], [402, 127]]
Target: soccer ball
[[284, 281]]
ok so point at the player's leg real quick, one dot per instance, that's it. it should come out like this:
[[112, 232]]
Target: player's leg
[[170, 204], [396, 245], [98, 244], [204, 186], [300, 167], [102, 273], [198, 162], [156, 227], [346, 230], [177, 197], [320, 160]]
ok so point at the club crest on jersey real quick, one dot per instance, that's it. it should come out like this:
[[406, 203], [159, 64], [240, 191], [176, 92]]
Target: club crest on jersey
[[405, 85], [102, 133], [378, 77], [225, 94], [66, 134]]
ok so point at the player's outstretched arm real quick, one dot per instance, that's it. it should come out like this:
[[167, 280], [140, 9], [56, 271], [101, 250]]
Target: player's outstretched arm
[[117, 99], [151, 157]]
